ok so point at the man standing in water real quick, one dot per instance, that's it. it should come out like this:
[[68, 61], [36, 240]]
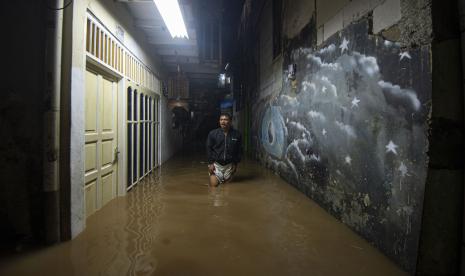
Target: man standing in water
[[224, 151]]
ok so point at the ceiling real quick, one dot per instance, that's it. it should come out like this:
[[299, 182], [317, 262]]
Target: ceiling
[[173, 51]]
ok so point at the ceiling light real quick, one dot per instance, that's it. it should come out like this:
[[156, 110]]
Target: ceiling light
[[171, 13]]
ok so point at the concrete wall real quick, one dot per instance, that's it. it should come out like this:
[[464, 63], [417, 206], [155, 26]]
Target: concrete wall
[[441, 237], [111, 14], [352, 131], [21, 110], [270, 76]]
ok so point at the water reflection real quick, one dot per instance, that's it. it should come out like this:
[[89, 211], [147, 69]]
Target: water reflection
[[143, 212], [218, 195], [118, 240]]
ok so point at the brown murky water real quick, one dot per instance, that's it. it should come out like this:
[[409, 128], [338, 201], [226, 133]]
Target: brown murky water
[[173, 224]]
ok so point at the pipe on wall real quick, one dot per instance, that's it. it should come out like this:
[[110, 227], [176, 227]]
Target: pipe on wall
[[461, 7], [51, 122]]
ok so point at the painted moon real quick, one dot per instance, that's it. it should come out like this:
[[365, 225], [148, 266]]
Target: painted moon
[[273, 132]]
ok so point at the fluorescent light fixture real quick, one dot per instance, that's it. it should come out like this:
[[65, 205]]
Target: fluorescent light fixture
[[171, 13]]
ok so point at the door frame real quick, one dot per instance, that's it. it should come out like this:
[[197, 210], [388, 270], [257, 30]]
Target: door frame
[[96, 66]]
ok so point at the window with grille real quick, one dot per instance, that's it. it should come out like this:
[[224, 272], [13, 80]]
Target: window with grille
[[142, 134]]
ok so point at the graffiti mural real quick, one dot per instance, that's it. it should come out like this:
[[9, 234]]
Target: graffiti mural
[[352, 134], [273, 132]]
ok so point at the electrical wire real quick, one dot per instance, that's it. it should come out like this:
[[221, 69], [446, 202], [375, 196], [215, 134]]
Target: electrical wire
[[59, 9]]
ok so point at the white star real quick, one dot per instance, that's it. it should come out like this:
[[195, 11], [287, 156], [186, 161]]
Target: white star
[[355, 102], [404, 55], [324, 132], [315, 157], [348, 160], [391, 147], [344, 45], [403, 169]]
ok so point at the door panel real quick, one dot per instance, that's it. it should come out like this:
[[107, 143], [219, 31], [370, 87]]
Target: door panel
[[107, 152], [91, 162], [107, 105], [107, 188], [100, 141], [91, 103], [91, 140], [90, 195]]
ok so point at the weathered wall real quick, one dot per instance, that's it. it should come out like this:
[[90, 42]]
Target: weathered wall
[[21, 112], [352, 131]]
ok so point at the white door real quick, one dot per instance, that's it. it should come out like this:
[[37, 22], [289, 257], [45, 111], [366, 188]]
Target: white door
[[100, 141]]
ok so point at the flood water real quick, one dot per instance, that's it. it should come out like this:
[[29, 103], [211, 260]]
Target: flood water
[[174, 224]]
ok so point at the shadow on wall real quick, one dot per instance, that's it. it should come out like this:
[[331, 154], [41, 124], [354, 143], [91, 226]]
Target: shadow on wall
[[352, 134]]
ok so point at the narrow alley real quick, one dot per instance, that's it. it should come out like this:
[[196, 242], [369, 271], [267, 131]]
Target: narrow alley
[[232, 137]]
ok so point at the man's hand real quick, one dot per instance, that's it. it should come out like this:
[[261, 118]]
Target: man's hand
[[211, 168]]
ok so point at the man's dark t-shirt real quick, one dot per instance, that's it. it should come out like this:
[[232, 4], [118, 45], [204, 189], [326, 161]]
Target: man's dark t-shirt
[[222, 148]]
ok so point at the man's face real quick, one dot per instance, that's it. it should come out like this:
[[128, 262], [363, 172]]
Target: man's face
[[225, 122]]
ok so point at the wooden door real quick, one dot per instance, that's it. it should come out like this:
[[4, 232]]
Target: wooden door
[[100, 141]]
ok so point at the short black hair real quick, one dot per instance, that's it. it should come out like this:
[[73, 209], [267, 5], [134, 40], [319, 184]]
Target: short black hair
[[226, 114]]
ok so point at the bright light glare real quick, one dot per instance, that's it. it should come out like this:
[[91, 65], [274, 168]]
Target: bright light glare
[[171, 13]]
